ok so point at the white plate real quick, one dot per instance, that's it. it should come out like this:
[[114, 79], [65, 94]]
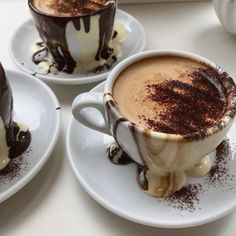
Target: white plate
[[115, 187], [37, 106], [26, 35]]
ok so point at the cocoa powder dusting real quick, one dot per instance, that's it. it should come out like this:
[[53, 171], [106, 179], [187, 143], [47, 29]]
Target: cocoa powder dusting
[[190, 107], [220, 172], [15, 168], [188, 198], [76, 7]]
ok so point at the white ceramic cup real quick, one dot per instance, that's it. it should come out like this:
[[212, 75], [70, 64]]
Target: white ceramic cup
[[77, 41], [169, 156], [226, 11]]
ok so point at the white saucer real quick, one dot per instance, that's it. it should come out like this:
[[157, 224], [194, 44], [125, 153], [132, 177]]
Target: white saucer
[[26, 35], [115, 187], [37, 106]]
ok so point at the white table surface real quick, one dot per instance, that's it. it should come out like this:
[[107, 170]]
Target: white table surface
[[54, 203]]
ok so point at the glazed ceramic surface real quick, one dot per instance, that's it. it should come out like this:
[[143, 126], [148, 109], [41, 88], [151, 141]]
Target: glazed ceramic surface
[[37, 106], [26, 34]]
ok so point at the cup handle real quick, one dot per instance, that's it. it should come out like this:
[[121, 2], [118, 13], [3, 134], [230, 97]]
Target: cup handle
[[82, 113]]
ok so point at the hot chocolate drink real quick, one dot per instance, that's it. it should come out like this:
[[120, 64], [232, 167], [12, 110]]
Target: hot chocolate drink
[[170, 94], [167, 111], [70, 7], [178, 96]]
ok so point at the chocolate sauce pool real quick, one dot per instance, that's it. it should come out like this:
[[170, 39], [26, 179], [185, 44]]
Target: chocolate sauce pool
[[52, 30], [17, 140]]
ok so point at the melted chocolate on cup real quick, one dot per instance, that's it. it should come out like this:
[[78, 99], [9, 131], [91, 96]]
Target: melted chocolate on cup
[[211, 89], [52, 28], [115, 153], [17, 140], [117, 156]]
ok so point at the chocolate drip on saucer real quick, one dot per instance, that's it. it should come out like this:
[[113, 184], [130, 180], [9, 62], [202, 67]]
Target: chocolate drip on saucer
[[56, 39], [141, 177], [117, 156], [40, 55], [17, 140]]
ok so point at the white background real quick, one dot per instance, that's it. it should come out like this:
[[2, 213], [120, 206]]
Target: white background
[[54, 203]]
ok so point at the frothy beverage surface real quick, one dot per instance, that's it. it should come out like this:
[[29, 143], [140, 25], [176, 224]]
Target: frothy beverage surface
[[70, 7], [170, 94]]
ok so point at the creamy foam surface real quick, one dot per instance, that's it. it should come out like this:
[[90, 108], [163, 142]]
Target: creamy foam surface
[[170, 94], [70, 7]]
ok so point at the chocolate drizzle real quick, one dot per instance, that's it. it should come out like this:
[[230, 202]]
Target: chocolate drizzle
[[115, 153], [141, 177], [52, 29], [17, 140], [135, 134], [105, 33], [117, 156], [113, 119]]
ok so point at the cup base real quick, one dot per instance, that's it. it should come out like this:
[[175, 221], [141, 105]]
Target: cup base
[[42, 57], [154, 180]]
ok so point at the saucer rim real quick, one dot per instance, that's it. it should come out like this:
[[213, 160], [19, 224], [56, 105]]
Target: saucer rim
[[70, 81], [28, 176], [122, 213]]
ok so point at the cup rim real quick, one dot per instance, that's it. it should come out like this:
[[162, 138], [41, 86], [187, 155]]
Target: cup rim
[[228, 115], [36, 10]]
